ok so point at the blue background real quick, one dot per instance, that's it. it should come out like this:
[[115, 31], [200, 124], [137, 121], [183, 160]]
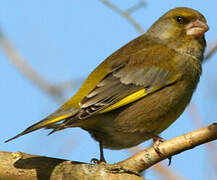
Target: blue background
[[65, 40]]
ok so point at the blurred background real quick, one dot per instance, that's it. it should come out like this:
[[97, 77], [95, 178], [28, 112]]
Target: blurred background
[[49, 47]]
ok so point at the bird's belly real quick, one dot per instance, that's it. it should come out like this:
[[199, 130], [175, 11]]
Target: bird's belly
[[130, 125]]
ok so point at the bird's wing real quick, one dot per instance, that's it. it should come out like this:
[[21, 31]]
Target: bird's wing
[[143, 73]]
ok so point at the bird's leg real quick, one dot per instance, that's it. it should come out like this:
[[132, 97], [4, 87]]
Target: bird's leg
[[102, 158], [157, 140]]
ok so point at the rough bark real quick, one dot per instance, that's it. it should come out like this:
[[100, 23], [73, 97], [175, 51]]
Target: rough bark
[[22, 166]]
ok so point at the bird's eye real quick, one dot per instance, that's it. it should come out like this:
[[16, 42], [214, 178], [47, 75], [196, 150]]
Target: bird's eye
[[180, 19]]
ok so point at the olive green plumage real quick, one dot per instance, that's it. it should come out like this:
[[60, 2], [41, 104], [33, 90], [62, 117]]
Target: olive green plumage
[[142, 88]]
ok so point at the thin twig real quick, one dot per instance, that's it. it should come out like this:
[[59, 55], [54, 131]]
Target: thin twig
[[167, 172], [55, 91], [137, 6], [211, 52], [125, 14]]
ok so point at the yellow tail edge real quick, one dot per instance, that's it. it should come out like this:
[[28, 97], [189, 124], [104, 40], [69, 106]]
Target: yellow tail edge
[[39, 125]]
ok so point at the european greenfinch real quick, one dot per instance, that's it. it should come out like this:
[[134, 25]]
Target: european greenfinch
[[142, 88]]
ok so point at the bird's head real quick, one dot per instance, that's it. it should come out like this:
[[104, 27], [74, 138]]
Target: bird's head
[[182, 29], [178, 22]]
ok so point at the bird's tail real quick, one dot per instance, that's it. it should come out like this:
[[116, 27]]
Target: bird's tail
[[52, 119]]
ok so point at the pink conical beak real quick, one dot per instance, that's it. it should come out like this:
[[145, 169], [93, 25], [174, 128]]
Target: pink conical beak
[[197, 28]]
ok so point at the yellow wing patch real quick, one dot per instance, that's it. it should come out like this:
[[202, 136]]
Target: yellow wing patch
[[131, 98], [137, 95]]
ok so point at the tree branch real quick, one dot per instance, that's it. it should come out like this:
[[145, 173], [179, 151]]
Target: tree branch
[[161, 169], [21, 166], [145, 159]]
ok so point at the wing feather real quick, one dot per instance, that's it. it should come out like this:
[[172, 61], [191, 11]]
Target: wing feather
[[128, 83]]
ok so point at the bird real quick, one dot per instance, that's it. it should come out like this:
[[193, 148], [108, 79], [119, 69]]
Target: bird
[[139, 90]]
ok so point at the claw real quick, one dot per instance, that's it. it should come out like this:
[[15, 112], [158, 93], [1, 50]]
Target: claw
[[102, 158], [157, 141], [96, 161]]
